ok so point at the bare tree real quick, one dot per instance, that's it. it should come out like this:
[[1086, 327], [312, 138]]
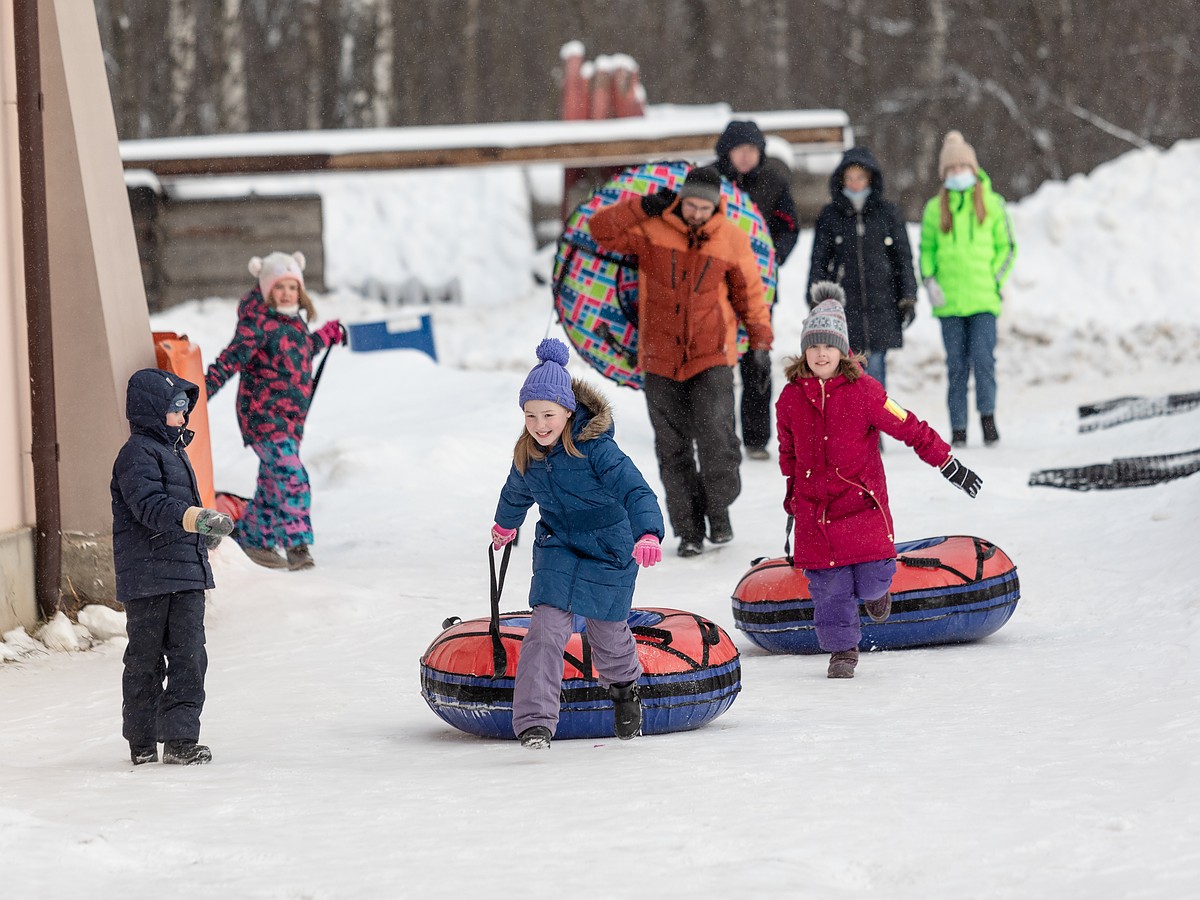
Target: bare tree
[[181, 36], [232, 99]]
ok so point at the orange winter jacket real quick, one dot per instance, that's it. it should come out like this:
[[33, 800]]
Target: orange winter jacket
[[691, 293]]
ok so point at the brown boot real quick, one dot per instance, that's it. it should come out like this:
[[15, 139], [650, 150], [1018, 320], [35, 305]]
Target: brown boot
[[299, 558], [880, 609], [842, 663], [266, 557]]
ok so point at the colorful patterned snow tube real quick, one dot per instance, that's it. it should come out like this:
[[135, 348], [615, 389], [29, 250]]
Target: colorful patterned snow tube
[[595, 291], [946, 590], [692, 675]]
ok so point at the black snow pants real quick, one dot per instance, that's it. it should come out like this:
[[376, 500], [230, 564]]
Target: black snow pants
[[166, 642], [694, 423], [756, 402]]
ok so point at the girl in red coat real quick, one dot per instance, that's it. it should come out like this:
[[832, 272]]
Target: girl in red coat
[[829, 416]]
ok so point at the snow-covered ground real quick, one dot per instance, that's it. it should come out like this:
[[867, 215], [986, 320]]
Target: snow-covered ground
[[1056, 758]]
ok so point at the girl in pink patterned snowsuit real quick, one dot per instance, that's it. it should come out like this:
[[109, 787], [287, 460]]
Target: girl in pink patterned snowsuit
[[273, 350]]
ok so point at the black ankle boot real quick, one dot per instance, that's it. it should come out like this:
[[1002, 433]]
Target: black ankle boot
[[958, 438], [627, 709], [990, 434]]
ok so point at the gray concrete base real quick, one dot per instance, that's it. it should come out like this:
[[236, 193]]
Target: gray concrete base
[[87, 571], [18, 604]]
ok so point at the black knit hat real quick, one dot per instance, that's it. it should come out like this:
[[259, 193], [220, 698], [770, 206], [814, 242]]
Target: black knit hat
[[704, 184]]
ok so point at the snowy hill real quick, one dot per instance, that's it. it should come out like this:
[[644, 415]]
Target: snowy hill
[[1056, 758]]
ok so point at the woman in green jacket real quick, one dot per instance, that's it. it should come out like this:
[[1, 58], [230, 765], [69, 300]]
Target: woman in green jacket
[[967, 252]]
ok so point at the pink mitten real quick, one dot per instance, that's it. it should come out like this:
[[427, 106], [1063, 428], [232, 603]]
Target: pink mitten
[[647, 551], [332, 333], [501, 536]]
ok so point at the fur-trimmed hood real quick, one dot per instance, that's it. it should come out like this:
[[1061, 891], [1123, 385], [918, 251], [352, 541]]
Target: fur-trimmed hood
[[594, 416]]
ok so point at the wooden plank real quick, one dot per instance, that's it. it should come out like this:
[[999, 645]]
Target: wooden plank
[[252, 218], [224, 258]]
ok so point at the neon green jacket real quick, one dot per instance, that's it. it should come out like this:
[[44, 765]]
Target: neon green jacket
[[972, 262]]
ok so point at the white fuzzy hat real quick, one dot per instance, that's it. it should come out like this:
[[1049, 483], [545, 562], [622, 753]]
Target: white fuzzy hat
[[277, 266]]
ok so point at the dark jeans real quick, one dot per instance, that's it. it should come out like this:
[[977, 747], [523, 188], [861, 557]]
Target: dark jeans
[[756, 402], [695, 438], [166, 642], [970, 343]]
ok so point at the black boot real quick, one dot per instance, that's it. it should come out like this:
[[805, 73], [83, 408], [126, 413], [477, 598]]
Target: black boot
[[627, 709], [186, 753], [720, 531], [958, 438], [535, 737], [990, 434], [142, 755]]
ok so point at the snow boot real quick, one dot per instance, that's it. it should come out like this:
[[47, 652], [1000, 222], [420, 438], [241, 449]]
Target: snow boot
[[690, 547], [536, 737], [720, 531], [627, 709], [142, 755], [299, 558], [990, 434], [186, 753], [879, 609], [842, 663], [958, 438], [265, 557], [758, 453]]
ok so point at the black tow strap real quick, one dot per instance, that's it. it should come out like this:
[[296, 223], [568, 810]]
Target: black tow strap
[[499, 656]]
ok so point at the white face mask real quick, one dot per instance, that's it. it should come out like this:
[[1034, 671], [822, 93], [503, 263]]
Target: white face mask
[[960, 181]]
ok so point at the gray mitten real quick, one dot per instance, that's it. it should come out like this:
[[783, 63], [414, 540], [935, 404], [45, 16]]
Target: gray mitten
[[936, 296], [199, 520]]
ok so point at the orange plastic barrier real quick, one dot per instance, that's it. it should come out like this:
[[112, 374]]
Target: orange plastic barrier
[[175, 353]]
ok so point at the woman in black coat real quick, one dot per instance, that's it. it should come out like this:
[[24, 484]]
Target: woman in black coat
[[861, 243]]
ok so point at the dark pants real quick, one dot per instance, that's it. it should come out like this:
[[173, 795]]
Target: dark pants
[[756, 402], [693, 424], [166, 642]]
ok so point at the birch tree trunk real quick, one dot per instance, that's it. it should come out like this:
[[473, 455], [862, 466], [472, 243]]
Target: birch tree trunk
[[181, 38], [383, 94], [232, 101]]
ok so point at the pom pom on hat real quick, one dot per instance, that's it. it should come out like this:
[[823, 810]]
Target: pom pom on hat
[[275, 267], [549, 379], [956, 152], [826, 324]]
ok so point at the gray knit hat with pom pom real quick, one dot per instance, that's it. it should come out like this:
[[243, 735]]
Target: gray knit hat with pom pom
[[826, 324], [549, 379]]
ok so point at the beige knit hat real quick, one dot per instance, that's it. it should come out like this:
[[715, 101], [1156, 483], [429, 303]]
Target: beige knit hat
[[955, 152]]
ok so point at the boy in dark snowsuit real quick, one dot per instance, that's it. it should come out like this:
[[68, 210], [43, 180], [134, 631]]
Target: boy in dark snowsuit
[[161, 536], [741, 157]]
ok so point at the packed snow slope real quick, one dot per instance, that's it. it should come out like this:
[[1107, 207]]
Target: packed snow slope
[[1056, 758]]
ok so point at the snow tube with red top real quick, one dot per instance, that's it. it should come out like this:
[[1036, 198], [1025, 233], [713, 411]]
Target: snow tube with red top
[[946, 590], [692, 675]]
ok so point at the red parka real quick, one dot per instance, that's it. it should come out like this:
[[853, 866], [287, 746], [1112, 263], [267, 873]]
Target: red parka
[[829, 453]]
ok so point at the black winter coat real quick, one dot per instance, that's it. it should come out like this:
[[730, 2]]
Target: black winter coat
[[868, 254], [770, 192], [152, 487]]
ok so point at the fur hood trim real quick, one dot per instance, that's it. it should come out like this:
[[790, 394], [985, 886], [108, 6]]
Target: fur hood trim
[[597, 405]]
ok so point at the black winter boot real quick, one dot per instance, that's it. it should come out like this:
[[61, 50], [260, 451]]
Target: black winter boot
[[958, 438], [627, 709], [990, 434], [142, 755], [186, 753], [535, 737], [720, 530]]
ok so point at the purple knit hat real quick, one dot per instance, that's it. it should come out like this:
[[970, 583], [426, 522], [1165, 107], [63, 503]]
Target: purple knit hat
[[549, 380]]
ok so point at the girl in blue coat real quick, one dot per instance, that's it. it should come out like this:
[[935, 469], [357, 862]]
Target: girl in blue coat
[[593, 502]]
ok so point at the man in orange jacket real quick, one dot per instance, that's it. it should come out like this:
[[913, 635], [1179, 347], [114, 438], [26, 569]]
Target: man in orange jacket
[[697, 276]]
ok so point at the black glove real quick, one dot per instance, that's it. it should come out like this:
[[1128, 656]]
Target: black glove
[[961, 477], [656, 204], [908, 311], [761, 360]]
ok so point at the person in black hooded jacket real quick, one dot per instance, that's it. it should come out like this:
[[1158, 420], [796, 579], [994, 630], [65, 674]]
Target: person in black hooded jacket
[[860, 242], [741, 158], [161, 536]]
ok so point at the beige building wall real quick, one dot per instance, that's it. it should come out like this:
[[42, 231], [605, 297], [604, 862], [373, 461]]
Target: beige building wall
[[100, 320], [17, 603]]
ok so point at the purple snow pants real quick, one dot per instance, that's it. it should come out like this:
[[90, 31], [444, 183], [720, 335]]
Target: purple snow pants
[[836, 594], [540, 668]]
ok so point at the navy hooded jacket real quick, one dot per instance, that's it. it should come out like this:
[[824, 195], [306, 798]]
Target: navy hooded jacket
[[770, 191], [593, 509], [868, 254], [152, 487]]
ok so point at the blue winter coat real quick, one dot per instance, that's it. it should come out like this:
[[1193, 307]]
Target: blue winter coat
[[152, 487], [593, 508]]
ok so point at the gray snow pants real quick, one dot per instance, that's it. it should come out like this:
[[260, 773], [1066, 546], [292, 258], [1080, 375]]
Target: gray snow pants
[[694, 423], [538, 684]]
